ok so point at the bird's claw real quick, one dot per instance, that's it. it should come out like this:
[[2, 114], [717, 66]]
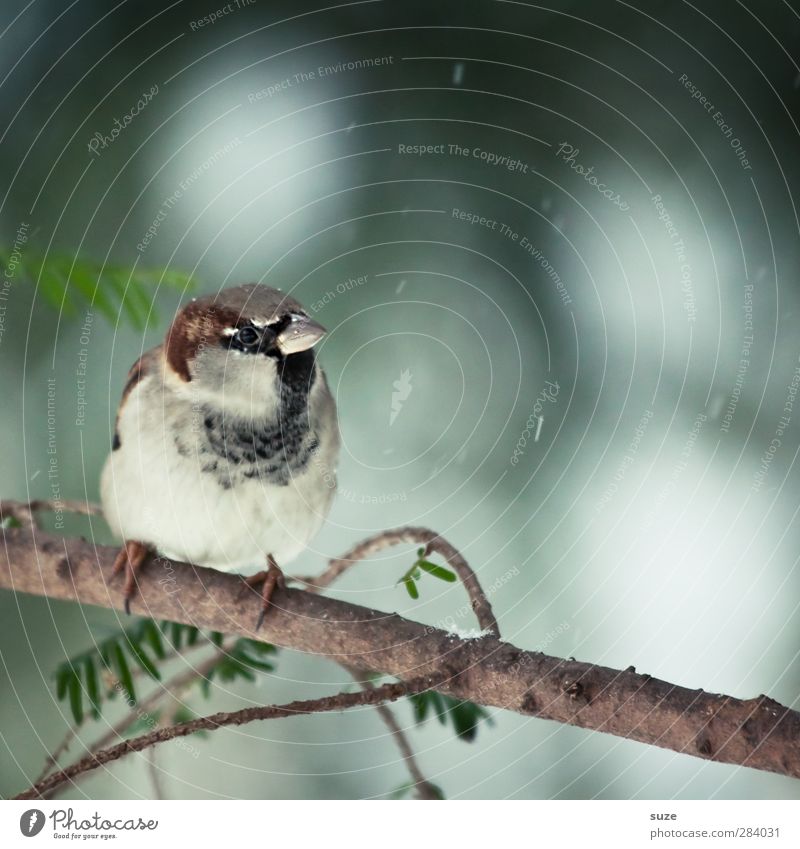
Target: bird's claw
[[129, 559], [270, 579]]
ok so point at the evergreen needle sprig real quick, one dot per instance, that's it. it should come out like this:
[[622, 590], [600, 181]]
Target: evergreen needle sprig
[[118, 292], [89, 679]]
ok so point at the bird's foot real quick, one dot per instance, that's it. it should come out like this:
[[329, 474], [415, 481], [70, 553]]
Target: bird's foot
[[270, 579], [130, 558]]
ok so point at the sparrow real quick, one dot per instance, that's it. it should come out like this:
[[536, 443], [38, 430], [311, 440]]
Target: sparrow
[[226, 441]]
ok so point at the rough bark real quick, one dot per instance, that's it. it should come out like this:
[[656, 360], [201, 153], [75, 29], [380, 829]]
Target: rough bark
[[758, 732]]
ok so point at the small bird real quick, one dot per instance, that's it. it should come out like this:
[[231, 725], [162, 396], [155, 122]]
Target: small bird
[[226, 441]]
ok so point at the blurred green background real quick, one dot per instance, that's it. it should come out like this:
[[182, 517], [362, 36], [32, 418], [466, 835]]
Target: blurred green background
[[641, 522]]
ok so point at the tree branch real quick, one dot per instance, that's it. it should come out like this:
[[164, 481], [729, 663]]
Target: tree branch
[[51, 761], [758, 733], [433, 543], [423, 787], [24, 512], [326, 704], [143, 707]]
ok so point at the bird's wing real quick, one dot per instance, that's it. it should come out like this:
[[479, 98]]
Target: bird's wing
[[146, 365]]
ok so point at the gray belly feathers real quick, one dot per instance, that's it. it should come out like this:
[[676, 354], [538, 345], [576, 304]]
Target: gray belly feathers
[[236, 449]]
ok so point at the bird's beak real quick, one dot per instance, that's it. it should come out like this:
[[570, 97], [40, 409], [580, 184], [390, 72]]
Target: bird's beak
[[301, 334]]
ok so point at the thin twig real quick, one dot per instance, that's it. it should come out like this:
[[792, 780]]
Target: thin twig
[[424, 788], [326, 704], [84, 508], [180, 680], [432, 543], [155, 777], [145, 706], [24, 511], [51, 762]]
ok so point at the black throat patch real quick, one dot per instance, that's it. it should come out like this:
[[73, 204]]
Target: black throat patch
[[271, 450]]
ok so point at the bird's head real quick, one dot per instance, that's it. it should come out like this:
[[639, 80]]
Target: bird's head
[[246, 350]]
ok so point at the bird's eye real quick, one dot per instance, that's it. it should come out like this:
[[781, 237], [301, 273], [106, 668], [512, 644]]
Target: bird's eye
[[247, 336]]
